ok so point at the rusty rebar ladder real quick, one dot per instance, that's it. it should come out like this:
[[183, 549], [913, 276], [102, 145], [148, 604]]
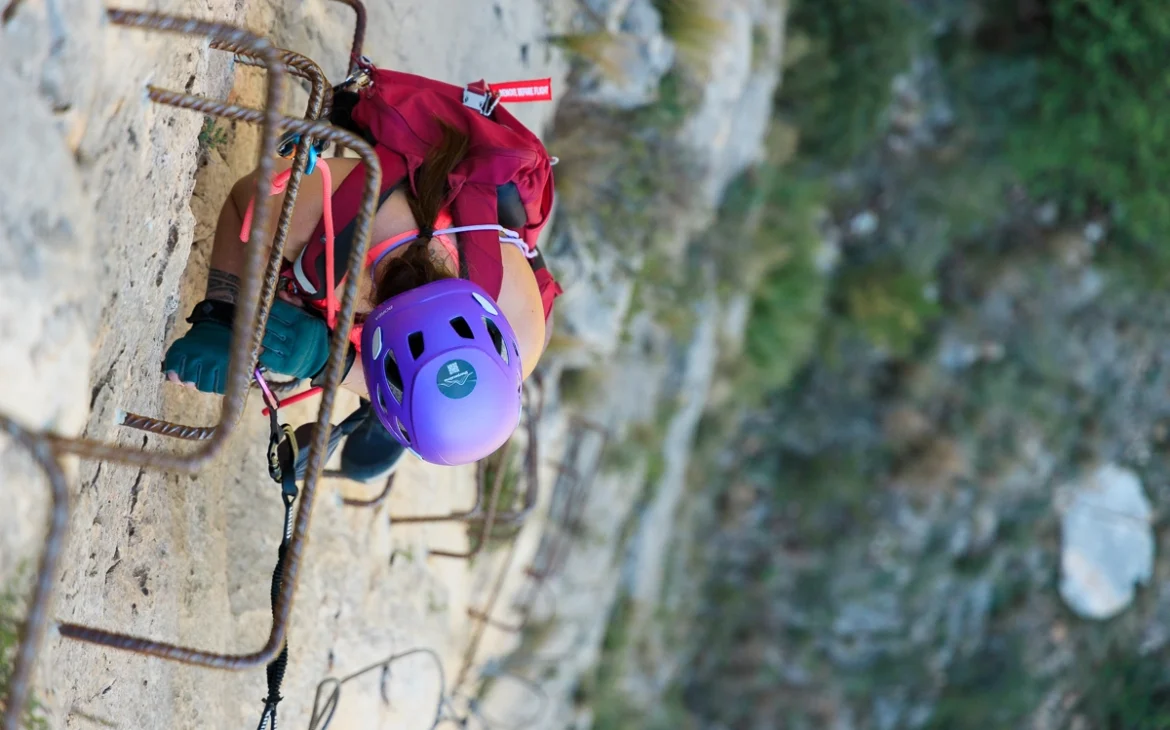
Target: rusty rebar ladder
[[574, 505], [553, 551], [257, 294]]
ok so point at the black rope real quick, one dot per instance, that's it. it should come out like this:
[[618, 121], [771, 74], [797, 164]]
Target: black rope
[[277, 667], [282, 468]]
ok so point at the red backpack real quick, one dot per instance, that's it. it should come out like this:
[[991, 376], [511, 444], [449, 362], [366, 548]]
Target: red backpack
[[399, 111]]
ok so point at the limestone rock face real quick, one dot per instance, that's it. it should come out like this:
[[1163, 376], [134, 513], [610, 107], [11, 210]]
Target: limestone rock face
[[108, 204]]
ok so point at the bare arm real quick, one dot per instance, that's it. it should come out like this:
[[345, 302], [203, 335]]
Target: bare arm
[[228, 253], [520, 302]]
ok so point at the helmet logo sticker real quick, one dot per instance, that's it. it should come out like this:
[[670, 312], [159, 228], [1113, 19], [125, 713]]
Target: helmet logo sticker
[[456, 379]]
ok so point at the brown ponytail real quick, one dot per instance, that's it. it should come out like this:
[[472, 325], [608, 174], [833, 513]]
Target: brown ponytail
[[415, 267]]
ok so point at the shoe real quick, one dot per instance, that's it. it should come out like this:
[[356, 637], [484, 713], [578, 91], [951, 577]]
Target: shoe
[[304, 435], [370, 451]]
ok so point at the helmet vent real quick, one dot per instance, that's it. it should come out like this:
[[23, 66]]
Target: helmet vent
[[487, 305], [497, 339], [417, 346], [377, 343], [393, 376], [462, 328], [402, 430]]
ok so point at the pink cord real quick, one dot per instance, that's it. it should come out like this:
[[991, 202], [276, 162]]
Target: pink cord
[[295, 398], [279, 183], [327, 216]]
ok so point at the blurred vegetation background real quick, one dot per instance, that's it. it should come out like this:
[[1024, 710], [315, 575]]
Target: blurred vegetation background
[[969, 155], [954, 249]]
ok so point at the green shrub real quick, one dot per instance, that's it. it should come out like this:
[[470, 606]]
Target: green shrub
[[693, 29], [888, 306], [765, 242], [1103, 122], [1076, 99], [782, 328], [991, 689], [837, 90], [1127, 692]]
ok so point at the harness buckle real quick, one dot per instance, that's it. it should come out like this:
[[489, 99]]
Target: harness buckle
[[360, 78], [356, 81], [484, 101]]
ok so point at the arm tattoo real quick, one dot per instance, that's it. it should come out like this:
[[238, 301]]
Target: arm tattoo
[[222, 286]]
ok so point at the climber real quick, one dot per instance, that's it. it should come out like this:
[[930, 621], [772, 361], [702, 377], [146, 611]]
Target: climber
[[455, 312]]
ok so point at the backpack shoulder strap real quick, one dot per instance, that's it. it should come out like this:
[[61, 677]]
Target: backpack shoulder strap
[[480, 259], [347, 199]]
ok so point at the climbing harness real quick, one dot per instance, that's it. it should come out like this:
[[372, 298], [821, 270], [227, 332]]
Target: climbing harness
[[282, 469]]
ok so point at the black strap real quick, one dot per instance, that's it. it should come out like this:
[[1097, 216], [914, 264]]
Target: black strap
[[287, 477], [213, 310], [342, 245]]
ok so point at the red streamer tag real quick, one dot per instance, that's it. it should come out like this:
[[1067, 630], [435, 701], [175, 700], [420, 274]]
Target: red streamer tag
[[520, 91]]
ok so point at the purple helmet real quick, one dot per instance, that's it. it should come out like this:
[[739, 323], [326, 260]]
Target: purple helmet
[[443, 370]]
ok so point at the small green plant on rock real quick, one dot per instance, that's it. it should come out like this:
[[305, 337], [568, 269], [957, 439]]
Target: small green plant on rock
[[212, 136], [504, 460], [33, 717]]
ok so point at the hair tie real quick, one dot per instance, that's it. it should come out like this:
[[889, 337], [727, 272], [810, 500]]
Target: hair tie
[[425, 233]]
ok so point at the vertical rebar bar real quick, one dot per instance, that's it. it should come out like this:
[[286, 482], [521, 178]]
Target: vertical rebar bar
[[32, 633], [317, 446], [359, 33], [241, 361]]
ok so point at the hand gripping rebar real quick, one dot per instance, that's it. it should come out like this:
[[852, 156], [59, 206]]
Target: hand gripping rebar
[[242, 358], [320, 98], [242, 341]]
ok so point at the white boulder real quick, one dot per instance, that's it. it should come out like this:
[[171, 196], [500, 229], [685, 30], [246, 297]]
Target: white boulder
[[1108, 542]]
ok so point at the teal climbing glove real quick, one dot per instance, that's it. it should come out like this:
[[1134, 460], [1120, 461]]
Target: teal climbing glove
[[295, 342], [201, 356]]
